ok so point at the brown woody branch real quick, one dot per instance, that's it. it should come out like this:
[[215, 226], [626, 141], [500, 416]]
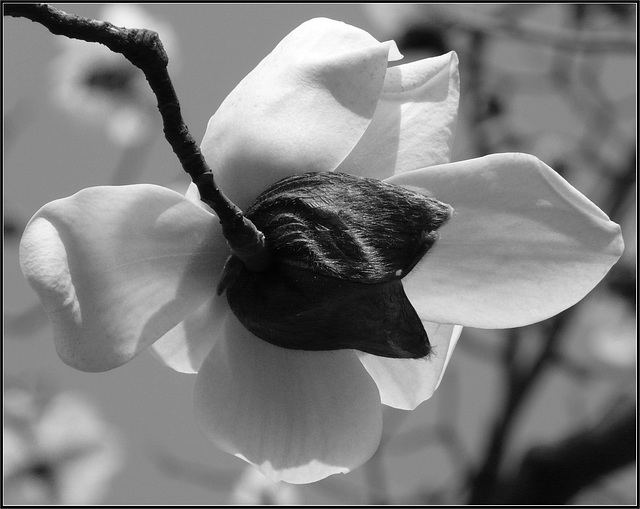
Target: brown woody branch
[[144, 49]]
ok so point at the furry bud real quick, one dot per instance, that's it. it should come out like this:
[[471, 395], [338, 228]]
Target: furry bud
[[340, 245]]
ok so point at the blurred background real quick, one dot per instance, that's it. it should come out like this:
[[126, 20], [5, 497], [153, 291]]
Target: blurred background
[[554, 80]]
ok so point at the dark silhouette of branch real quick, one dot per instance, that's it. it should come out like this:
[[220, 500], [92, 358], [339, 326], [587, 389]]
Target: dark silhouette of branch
[[555, 473], [520, 380], [491, 26], [144, 49]]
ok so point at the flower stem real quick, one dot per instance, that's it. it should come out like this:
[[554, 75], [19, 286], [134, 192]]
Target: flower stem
[[144, 49]]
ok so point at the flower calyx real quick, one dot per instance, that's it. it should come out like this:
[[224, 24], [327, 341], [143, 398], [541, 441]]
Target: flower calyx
[[340, 245]]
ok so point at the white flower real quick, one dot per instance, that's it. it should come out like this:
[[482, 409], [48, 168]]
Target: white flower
[[100, 87], [56, 451], [120, 269]]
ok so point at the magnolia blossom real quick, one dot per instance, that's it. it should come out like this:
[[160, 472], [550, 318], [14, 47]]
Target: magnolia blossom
[[57, 450], [122, 269], [100, 87]]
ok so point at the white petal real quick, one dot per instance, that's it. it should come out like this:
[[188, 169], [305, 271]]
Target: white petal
[[298, 416], [522, 245], [414, 124], [118, 267], [185, 347], [405, 383], [302, 109]]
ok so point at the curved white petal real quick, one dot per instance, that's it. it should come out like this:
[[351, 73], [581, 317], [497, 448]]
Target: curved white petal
[[522, 245], [405, 383], [118, 267], [415, 121], [185, 347], [298, 416], [302, 109]]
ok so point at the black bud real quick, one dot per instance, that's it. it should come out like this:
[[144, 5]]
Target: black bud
[[340, 245]]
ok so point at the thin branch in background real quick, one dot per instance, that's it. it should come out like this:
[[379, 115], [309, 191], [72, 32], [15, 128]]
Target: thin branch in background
[[520, 379], [563, 460], [487, 485], [144, 49], [554, 474], [494, 26], [588, 100], [477, 99], [622, 185]]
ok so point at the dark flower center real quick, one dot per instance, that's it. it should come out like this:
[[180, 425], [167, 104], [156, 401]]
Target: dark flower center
[[341, 245]]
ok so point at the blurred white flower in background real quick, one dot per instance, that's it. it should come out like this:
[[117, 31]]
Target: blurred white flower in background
[[254, 488], [103, 88], [603, 337], [56, 450], [613, 334]]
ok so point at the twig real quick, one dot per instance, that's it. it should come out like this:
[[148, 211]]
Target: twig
[[553, 474], [569, 40], [478, 99], [520, 380], [144, 49]]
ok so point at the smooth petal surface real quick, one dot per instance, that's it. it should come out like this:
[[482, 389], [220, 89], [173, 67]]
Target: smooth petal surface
[[302, 109], [522, 245], [415, 121], [405, 383], [185, 347], [298, 416], [118, 267]]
